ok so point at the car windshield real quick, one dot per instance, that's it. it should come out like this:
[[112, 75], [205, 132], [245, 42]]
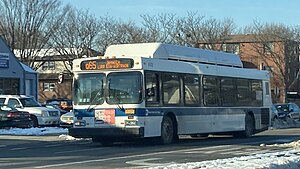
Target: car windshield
[[29, 102], [88, 89], [282, 107]]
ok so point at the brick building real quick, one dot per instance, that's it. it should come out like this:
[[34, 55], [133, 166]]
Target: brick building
[[280, 57]]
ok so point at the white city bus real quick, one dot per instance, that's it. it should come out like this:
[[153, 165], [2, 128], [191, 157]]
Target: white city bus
[[161, 90]]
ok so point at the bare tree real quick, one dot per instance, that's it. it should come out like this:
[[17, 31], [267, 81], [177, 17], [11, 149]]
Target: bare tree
[[117, 32], [77, 37], [160, 28], [28, 26], [189, 30], [277, 46], [217, 32]]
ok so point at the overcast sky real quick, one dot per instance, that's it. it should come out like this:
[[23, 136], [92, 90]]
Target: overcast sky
[[243, 12]]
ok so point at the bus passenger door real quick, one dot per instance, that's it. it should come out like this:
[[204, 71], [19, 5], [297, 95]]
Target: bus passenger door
[[267, 101]]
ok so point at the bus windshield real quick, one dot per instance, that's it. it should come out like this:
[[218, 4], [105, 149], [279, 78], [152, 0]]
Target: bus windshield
[[121, 87], [124, 88], [88, 89]]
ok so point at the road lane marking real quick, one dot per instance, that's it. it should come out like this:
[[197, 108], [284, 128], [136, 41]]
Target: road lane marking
[[126, 157], [144, 163], [140, 155], [73, 151], [219, 151], [20, 148]]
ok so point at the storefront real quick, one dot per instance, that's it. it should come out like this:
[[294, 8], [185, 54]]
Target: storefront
[[15, 77]]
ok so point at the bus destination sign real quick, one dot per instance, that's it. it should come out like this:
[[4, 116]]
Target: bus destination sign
[[99, 64]]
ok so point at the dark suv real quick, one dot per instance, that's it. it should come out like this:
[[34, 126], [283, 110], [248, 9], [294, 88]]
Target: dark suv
[[291, 110]]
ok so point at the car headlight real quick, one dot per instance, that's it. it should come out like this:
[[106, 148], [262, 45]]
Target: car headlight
[[45, 113]]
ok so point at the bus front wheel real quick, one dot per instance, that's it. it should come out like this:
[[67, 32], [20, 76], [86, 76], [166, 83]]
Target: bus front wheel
[[167, 131]]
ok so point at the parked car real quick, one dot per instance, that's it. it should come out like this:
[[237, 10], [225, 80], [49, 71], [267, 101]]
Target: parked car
[[277, 114], [40, 116], [63, 103], [67, 120], [291, 110], [55, 106], [11, 117]]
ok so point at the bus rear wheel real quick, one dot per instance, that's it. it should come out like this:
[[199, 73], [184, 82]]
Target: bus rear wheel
[[167, 131], [249, 127]]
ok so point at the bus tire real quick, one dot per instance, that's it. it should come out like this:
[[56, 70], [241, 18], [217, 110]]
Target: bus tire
[[249, 128], [167, 131], [34, 120]]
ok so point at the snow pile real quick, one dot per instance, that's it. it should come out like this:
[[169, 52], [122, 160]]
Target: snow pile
[[294, 145], [288, 123], [69, 138], [34, 131], [281, 160], [289, 159]]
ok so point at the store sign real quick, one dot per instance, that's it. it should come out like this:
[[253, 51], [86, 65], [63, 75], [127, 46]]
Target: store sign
[[4, 60]]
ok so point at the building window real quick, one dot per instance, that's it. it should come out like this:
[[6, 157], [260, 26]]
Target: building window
[[205, 46], [231, 48], [48, 65], [48, 86], [9, 86], [268, 47]]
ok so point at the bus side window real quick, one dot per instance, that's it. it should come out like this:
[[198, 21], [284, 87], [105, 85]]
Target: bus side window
[[210, 91], [256, 93], [171, 88], [191, 89], [151, 93]]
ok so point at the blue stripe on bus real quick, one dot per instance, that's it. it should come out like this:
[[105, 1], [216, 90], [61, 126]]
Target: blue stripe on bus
[[84, 113], [176, 111]]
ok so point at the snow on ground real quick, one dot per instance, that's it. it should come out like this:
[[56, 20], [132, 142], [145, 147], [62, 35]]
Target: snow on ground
[[34, 131], [289, 159]]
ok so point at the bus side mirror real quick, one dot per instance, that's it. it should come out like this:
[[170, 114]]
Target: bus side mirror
[[150, 92]]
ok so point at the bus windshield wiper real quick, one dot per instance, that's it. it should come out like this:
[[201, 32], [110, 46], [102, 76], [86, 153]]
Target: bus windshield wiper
[[118, 101], [116, 98], [99, 93]]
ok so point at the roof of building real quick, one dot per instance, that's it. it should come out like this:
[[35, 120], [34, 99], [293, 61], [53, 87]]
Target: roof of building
[[27, 68]]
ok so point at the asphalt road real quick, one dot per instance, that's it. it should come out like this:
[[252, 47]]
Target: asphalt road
[[53, 152]]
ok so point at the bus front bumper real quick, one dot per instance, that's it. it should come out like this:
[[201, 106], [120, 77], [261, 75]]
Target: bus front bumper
[[106, 132]]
